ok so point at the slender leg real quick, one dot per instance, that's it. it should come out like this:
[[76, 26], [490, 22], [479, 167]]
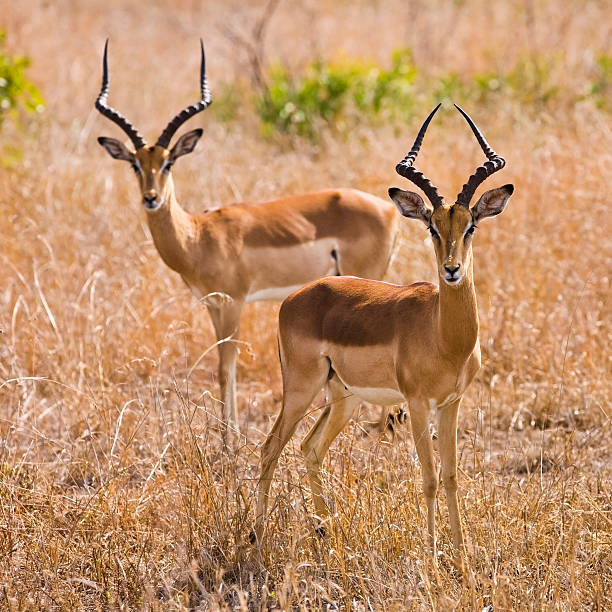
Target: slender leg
[[447, 436], [226, 320], [298, 393], [315, 445], [422, 441]]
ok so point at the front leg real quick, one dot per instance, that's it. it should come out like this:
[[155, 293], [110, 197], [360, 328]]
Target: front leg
[[225, 316], [422, 440], [447, 435]]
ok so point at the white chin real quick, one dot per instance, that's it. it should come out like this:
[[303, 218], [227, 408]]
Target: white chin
[[152, 207], [453, 282]]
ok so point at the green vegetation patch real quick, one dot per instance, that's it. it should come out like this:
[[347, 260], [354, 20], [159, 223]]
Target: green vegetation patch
[[17, 93], [336, 94]]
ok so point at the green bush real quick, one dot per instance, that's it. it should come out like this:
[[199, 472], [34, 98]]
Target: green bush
[[451, 88], [341, 95], [336, 95], [600, 90], [16, 91], [529, 80]]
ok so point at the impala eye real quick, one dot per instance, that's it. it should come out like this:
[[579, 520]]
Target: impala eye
[[470, 231], [433, 232], [167, 167], [136, 168]]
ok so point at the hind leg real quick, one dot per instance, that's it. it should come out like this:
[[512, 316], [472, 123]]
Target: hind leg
[[300, 385], [340, 408]]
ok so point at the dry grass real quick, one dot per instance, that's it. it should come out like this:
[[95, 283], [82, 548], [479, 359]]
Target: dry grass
[[114, 491]]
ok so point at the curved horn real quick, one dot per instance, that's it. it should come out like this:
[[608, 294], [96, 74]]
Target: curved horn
[[405, 168], [495, 163], [190, 111], [111, 113]]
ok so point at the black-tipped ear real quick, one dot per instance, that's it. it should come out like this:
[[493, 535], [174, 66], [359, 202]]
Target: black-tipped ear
[[410, 204], [116, 149], [186, 144], [492, 202]]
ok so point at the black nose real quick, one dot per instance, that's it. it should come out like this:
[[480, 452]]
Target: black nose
[[452, 271], [150, 199]]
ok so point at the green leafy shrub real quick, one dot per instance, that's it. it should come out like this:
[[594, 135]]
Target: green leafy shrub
[[336, 95], [339, 95], [600, 90], [389, 94], [489, 83], [452, 88], [16, 91], [529, 80]]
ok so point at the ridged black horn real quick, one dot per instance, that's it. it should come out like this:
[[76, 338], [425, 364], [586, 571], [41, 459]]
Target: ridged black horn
[[111, 113], [495, 162], [190, 111], [406, 169]]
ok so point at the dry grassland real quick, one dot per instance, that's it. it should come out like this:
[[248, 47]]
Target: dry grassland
[[114, 489]]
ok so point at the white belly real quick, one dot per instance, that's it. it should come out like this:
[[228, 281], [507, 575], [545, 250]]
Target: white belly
[[273, 293], [299, 264], [378, 395]]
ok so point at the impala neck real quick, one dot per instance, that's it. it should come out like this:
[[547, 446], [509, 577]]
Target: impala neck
[[173, 231], [459, 315]]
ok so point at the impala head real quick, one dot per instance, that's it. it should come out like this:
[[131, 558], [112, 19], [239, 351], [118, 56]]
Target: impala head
[[451, 226], [152, 164]]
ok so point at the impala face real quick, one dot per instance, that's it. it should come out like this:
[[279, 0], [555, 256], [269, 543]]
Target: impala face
[[152, 167], [152, 164], [452, 227]]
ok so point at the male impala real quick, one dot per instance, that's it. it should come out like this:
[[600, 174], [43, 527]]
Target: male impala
[[248, 252], [388, 344]]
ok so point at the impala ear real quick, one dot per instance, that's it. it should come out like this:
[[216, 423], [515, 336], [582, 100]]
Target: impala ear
[[185, 144], [116, 149], [410, 204], [492, 202]]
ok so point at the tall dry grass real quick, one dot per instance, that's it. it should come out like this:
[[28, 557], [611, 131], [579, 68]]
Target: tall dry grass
[[114, 489]]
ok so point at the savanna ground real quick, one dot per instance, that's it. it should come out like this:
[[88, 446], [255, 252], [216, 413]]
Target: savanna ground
[[115, 492]]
